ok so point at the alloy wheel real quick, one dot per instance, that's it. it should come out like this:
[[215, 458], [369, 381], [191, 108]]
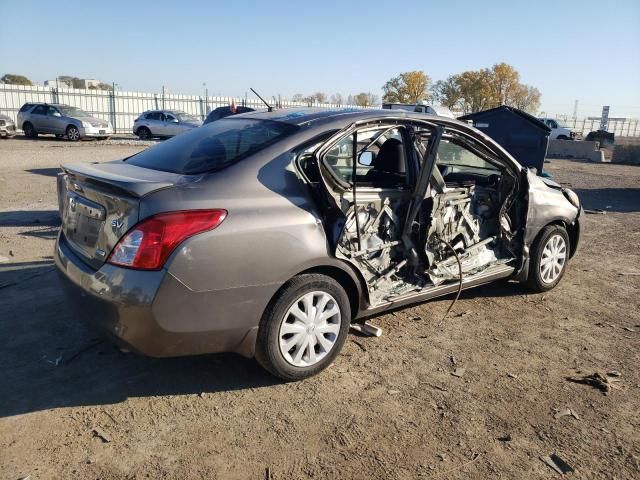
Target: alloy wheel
[[554, 256], [73, 134], [309, 329]]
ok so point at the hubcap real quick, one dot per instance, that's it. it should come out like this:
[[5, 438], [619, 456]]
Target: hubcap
[[309, 329], [554, 257]]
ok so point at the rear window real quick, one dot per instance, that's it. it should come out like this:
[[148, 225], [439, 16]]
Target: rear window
[[26, 107], [212, 147]]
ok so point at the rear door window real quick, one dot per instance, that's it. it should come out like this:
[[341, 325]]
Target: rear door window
[[40, 110], [213, 147]]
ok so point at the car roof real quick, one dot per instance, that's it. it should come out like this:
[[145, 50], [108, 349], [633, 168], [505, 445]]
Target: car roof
[[315, 116]]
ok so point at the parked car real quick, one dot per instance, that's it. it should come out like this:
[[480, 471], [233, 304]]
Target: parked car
[[164, 123], [64, 121], [7, 126], [222, 112], [268, 233], [561, 131]]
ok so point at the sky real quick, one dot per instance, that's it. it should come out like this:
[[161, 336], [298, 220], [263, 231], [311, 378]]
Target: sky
[[570, 50]]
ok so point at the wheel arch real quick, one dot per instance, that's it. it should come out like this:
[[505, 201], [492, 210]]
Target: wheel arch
[[571, 229]]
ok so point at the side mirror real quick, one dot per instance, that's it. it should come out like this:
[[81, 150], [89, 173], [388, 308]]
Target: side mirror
[[175, 120], [57, 114], [366, 158]]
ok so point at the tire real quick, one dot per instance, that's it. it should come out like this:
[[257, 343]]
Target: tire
[[271, 341], [29, 130], [73, 134], [563, 137], [548, 255], [144, 133]]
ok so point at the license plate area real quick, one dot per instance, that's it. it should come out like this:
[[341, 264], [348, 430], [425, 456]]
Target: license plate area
[[101, 131], [83, 220]]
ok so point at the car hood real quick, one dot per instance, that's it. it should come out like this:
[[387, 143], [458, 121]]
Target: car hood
[[92, 120]]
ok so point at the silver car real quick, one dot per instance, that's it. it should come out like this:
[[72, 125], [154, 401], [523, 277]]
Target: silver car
[[7, 126], [63, 121], [164, 123], [269, 233]]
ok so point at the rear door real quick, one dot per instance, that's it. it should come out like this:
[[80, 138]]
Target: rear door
[[38, 118]]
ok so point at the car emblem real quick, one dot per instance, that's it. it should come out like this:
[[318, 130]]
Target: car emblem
[[72, 204], [117, 224]]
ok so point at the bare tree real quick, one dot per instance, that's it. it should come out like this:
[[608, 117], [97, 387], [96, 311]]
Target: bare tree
[[297, 97], [365, 99], [337, 99], [320, 97]]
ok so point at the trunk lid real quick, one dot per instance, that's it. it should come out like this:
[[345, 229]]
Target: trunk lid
[[100, 202]]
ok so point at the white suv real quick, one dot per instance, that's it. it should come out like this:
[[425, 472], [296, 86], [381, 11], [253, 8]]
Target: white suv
[[561, 131]]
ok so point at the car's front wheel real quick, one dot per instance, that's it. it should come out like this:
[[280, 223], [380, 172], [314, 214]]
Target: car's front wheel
[[549, 258], [304, 327], [73, 134]]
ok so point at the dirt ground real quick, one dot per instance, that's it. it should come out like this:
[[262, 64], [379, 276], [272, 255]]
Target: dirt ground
[[389, 408]]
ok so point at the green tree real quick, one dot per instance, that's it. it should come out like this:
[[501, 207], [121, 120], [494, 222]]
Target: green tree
[[408, 87], [13, 79]]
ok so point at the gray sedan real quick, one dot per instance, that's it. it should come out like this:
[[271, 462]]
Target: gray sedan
[[164, 124], [268, 234]]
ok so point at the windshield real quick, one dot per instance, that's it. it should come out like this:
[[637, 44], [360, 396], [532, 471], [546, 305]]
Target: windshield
[[212, 147], [72, 111], [186, 117]]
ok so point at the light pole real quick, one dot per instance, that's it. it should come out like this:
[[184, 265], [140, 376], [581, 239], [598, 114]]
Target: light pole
[[206, 99], [113, 101]]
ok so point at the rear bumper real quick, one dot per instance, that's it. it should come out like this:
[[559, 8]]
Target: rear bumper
[[151, 312]]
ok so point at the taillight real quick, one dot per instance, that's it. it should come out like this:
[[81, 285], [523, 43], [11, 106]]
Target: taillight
[[148, 244]]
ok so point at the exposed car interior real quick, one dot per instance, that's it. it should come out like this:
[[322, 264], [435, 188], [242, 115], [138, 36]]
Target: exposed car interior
[[425, 209]]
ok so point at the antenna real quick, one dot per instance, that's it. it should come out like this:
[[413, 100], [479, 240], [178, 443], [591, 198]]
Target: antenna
[[269, 107]]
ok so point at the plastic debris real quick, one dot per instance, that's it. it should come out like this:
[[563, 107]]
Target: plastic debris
[[101, 434]]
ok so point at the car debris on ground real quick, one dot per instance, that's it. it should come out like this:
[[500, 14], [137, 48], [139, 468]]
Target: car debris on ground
[[604, 383]]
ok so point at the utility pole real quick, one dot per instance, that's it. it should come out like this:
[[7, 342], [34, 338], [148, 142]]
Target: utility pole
[[575, 110], [113, 102]]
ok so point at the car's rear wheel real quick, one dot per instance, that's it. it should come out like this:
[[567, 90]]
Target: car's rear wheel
[[144, 133], [29, 130], [549, 258], [304, 327], [73, 134]]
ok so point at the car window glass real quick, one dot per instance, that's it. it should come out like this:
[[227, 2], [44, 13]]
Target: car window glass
[[217, 146], [154, 116], [40, 110], [454, 155], [378, 166], [169, 118], [26, 107], [51, 111]]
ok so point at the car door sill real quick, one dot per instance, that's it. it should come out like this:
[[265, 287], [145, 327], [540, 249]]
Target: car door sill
[[489, 275]]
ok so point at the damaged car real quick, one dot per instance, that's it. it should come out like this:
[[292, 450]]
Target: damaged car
[[269, 233]]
